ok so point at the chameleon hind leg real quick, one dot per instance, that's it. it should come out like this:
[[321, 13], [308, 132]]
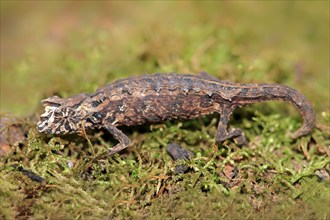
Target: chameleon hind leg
[[223, 133], [123, 140]]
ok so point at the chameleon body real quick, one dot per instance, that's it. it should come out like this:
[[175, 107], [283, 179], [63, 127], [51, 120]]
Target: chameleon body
[[160, 97]]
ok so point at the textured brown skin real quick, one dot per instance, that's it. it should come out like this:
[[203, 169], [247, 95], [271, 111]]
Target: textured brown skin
[[160, 97]]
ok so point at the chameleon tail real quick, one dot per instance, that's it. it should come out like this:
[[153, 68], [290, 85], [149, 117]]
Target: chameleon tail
[[265, 92], [305, 109]]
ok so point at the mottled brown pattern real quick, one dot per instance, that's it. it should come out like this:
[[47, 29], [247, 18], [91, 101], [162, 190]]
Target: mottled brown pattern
[[161, 97]]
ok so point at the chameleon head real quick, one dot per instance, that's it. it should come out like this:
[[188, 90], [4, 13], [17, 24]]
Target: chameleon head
[[59, 117]]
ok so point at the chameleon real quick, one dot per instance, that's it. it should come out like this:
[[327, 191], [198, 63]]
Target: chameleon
[[159, 97]]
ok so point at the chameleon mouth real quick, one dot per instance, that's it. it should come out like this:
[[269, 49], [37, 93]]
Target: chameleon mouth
[[46, 119], [42, 126]]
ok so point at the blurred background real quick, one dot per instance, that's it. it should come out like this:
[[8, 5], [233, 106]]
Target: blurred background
[[67, 47]]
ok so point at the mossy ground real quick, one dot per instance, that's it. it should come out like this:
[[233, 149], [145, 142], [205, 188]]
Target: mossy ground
[[72, 47]]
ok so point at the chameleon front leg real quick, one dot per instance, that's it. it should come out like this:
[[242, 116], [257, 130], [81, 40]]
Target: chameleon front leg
[[123, 140], [223, 133]]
